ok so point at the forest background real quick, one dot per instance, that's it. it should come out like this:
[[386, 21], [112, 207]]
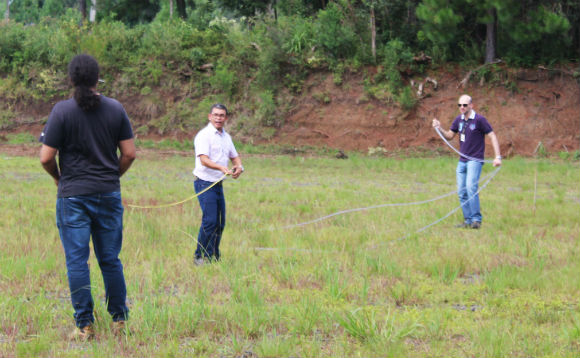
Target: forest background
[[348, 74]]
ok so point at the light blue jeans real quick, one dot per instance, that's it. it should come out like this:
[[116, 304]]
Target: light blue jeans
[[99, 216], [467, 185]]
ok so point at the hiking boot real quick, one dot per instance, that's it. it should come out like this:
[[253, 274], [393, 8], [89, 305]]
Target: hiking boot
[[475, 225], [119, 328], [463, 225], [83, 334]]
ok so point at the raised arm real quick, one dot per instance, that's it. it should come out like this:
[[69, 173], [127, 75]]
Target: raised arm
[[447, 134]]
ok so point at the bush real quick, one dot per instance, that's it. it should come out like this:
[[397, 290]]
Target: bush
[[224, 81], [333, 35], [406, 99], [266, 110], [11, 46]]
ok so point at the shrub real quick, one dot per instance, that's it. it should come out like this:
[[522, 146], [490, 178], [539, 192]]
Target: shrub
[[266, 110], [224, 81], [333, 34], [406, 99], [180, 117]]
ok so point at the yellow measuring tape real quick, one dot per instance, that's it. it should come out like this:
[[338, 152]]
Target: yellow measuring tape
[[179, 202]]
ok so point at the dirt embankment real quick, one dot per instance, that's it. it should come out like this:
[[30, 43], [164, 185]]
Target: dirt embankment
[[541, 107]]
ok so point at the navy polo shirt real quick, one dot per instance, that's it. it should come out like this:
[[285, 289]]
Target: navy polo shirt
[[474, 128]]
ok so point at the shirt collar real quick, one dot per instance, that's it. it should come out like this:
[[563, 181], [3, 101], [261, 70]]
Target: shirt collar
[[215, 130], [471, 116]]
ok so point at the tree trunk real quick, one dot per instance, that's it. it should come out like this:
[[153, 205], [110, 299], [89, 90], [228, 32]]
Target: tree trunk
[[373, 34], [93, 11], [7, 13], [171, 9], [181, 8], [83, 9], [490, 38]]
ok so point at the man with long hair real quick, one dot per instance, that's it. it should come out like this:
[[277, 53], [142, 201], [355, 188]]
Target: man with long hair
[[86, 131]]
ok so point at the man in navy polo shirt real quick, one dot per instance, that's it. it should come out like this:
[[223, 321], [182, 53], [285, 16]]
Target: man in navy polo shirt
[[472, 128]]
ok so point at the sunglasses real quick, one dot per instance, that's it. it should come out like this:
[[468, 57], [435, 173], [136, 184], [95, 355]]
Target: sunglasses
[[462, 104]]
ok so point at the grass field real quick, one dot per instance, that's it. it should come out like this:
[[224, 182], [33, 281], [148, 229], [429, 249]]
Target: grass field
[[364, 283]]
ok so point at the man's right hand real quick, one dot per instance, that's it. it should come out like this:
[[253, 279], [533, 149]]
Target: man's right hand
[[436, 123]]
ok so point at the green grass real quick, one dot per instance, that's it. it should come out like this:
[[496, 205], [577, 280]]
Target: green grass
[[344, 286]]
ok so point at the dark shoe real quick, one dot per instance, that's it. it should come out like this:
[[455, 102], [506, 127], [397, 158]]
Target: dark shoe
[[83, 334], [463, 225], [475, 225]]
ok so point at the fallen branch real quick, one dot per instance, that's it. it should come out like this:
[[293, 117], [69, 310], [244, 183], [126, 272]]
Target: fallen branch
[[565, 72], [321, 133], [206, 67], [256, 46], [422, 85], [468, 76]]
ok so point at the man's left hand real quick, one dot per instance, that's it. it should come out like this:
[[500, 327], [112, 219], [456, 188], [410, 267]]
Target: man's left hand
[[237, 171]]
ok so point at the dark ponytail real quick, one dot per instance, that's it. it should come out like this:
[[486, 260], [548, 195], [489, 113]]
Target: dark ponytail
[[83, 71]]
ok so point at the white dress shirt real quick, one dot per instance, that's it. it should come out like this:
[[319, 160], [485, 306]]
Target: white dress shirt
[[218, 146]]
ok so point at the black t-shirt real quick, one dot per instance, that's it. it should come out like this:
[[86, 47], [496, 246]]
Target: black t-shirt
[[87, 145]]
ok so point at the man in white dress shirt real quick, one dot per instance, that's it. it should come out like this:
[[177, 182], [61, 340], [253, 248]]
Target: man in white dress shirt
[[213, 150]]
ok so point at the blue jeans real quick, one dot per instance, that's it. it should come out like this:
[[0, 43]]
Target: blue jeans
[[213, 220], [467, 185], [100, 216]]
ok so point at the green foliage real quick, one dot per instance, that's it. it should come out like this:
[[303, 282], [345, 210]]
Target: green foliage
[[224, 81], [321, 97], [406, 98], [333, 34], [11, 46], [266, 110], [541, 151], [270, 57], [113, 44], [21, 138], [395, 56], [179, 117], [178, 41], [543, 36], [564, 155], [299, 35], [255, 60], [129, 12], [440, 22], [7, 118]]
